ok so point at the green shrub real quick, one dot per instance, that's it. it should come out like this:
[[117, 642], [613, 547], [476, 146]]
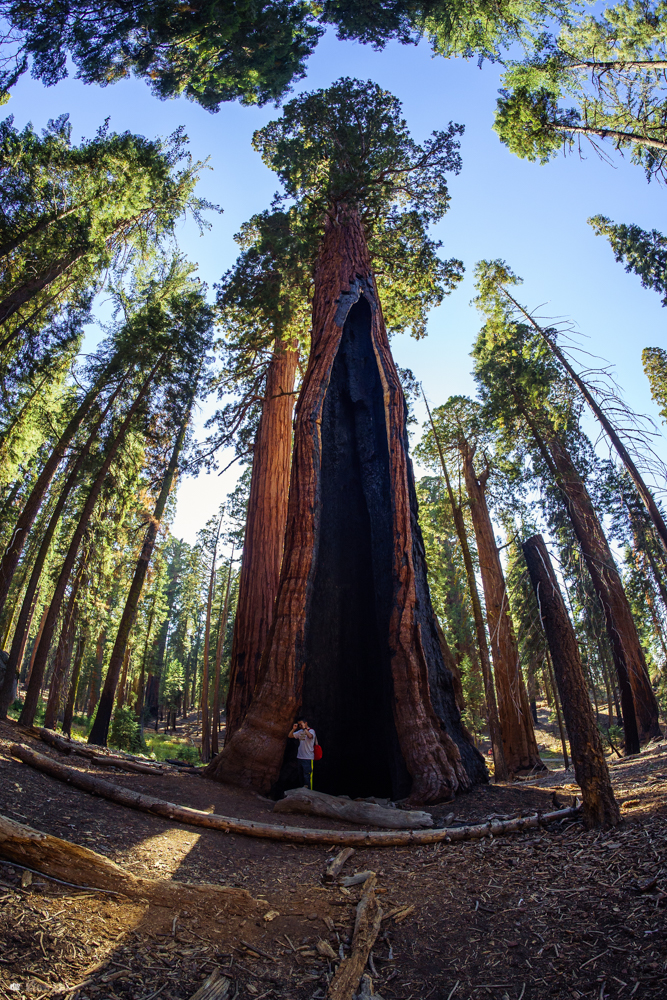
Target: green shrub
[[125, 733]]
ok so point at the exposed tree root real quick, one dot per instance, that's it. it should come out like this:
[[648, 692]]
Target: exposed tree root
[[62, 860], [295, 835]]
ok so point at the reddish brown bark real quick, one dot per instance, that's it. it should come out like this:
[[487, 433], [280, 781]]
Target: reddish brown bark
[[599, 805], [516, 723], [438, 757], [264, 534], [621, 628], [73, 686]]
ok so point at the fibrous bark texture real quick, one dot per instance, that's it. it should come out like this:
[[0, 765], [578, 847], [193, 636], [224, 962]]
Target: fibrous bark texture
[[516, 723], [621, 629], [264, 534], [353, 645], [590, 767]]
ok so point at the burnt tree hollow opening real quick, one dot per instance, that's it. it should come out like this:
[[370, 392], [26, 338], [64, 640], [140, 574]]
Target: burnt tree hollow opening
[[348, 691]]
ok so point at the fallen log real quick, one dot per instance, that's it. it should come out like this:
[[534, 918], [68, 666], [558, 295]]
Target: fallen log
[[334, 868], [290, 834], [79, 866], [105, 759], [366, 926], [306, 800]]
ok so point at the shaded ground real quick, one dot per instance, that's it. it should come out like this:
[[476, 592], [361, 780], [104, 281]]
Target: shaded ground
[[558, 913]]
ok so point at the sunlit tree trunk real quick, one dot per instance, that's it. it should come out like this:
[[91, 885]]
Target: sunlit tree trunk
[[516, 722], [264, 534], [621, 628], [353, 644], [599, 805]]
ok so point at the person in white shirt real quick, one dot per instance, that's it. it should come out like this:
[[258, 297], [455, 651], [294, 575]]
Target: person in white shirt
[[306, 752]]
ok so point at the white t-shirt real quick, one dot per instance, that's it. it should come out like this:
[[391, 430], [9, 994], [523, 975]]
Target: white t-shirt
[[306, 738]]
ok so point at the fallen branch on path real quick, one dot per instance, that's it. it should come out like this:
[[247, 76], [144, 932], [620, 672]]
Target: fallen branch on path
[[105, 759], [366, 927], [291, 834], [79, 866], [306, 800]]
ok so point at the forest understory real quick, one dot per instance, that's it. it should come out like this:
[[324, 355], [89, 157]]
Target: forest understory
[[557, 912]]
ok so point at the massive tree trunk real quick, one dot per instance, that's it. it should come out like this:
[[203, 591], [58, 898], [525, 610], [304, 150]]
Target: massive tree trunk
[[100, 730], [621, 629], [264, 534], [516, 722], [590, 767], [353, 645]]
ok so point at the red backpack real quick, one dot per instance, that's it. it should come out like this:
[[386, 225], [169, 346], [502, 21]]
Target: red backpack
[[317, 751]]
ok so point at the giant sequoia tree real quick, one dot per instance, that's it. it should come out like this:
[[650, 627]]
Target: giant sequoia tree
[[353, 644]]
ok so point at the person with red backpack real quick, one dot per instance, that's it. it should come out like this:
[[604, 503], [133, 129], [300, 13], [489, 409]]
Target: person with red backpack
[[306, 753]]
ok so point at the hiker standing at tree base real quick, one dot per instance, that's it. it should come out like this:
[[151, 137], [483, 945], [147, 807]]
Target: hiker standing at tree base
[[306, 752]]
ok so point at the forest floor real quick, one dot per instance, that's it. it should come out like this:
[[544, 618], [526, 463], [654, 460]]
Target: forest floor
[[553, 913]]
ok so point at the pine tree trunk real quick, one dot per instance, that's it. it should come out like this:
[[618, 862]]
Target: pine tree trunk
[[516, 723], [35, 646], [222, 631], [500, 768], [599, 806], [264, 534], [205, 734], [100, 730], [122, 684], [621, 629], [63, 652], [96, 675], [27, 516], [32, 695], [23, 625], [353, 644], [73, 686]]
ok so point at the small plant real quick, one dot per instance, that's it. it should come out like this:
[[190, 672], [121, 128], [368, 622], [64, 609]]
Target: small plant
[[125, 733]]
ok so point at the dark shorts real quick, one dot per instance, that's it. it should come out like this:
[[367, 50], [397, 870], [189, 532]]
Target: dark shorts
[[307, 770]]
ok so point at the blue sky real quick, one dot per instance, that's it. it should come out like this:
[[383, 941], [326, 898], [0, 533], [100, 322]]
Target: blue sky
[[532, 216]]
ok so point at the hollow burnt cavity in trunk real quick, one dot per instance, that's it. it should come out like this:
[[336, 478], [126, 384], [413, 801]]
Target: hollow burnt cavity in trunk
[[353, 644], [347, 685]]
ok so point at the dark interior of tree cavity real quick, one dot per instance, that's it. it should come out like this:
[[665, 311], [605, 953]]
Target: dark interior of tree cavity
[[347, 691]]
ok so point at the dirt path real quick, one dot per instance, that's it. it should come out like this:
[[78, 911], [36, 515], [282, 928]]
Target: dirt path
[[563, 913]]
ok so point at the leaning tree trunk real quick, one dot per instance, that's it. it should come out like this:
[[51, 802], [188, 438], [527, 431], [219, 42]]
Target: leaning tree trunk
[[100, 730], [27, 516], [39, 665], [621, 628], [353, 645], [599, 805], [264, 534], [23, 623], [516, 721]]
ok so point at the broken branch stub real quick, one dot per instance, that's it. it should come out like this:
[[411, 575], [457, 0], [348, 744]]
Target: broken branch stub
[[366, 926]]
